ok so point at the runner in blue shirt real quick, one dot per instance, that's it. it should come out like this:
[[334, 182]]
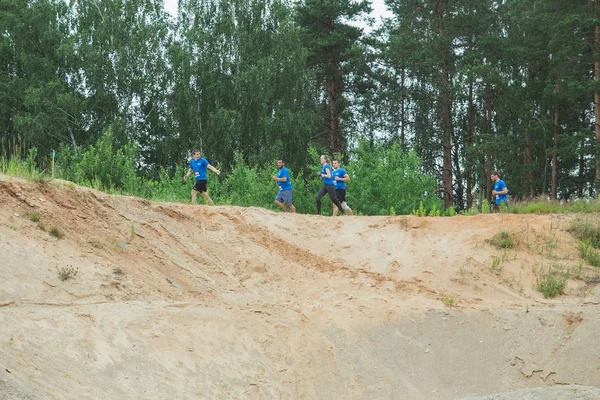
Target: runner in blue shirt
[[198, 167], [284, 197], [328, 185], [341, 178], [500, 191]]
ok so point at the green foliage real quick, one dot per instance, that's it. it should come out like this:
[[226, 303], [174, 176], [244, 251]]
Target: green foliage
[[434, 212], [502, 240], [588, 252], [12, 163], [587, 230], [168, 188], [35, 217], [450, 301], [485, 207], [385, 177], [554, 207], [549, 286], [102, 166], [248, 186], [421, 211]]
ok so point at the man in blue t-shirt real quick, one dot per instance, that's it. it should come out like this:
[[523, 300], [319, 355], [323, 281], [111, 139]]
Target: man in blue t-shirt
[[500, 191], [341, 178], [198, 167], [284, 197]]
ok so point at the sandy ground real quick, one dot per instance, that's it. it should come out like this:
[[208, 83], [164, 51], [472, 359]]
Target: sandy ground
[[174, 301]]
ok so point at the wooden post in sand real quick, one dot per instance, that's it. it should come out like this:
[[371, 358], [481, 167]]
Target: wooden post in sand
[[53, 156]]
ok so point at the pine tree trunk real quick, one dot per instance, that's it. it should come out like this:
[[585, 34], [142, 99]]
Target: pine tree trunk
[[402, 112], [446, 119], [554, 153], [460, 200], [528, 151], [487, 126], [597, 98], [469, 143], [581, 172], [581, 181], [336, 140]]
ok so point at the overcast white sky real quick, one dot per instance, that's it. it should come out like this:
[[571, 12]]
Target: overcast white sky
[[379, 9]]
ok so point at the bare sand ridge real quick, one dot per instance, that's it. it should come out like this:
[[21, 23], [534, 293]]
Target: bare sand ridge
[[174, 301]]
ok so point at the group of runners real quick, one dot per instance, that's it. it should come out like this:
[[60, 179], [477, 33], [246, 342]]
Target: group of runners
[[334, 184]]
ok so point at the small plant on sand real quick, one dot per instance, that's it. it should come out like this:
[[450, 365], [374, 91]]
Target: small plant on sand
[[132, 231], [450, 301], [502, 240], [57, 233], [485, 207], [435, 211], [68, 272], [421, 211], [549, 286], [464, 271], [497, 262], [35, 217], [118, 271]]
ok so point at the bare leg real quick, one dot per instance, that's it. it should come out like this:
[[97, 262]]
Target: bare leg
[[292, 208], [335, 210], [207, 198], [280, 205], [194, 194]]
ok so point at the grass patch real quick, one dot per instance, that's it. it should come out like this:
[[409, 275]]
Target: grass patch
[[57, 233], [554, 207], [588, 233], [586, 230], [35, 217], [496, 264], [450, 301], [502, 240], [549, 286], [68, 272]]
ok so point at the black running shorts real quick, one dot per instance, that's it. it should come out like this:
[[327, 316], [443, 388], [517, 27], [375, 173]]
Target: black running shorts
[[200, 186]]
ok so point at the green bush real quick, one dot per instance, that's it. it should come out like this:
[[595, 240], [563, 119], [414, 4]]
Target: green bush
[[168, 188], [386, 177], [502, 240], [549, 286], [102, 166]]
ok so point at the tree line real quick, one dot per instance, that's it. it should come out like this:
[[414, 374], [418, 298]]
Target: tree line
[[469, 86]]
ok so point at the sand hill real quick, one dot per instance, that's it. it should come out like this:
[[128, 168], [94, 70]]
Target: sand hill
[[174, 301]]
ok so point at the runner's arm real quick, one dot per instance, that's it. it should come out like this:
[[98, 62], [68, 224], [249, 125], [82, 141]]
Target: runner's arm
[[345, 178], [213, 169]]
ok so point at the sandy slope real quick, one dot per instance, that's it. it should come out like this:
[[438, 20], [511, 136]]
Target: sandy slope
[[175, 301]]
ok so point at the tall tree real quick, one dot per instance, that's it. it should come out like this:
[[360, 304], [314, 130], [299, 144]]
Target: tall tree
[[331, 39]]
